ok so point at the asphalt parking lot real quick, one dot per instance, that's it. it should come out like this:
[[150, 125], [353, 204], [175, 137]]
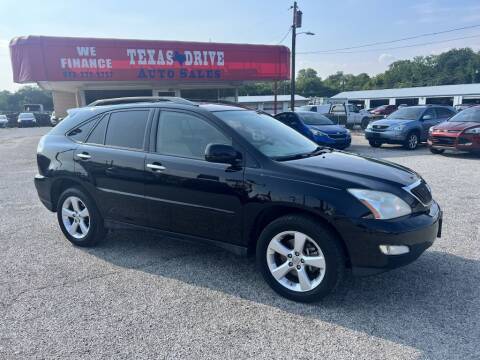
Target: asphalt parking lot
[[141, 296]]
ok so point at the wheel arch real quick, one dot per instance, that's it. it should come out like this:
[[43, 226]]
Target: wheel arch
[[60, 185], [274, 212]]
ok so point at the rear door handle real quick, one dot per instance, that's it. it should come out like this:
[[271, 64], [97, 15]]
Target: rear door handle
[[84, 156], [156, 167]]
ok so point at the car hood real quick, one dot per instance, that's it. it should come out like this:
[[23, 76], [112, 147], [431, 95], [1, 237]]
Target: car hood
[[352, 168], [392, 122], [329, 129], [453, 125]]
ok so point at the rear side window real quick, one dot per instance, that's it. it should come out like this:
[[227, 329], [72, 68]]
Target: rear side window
[[98, 134], [127, 129], [443, 113], [81, 132]]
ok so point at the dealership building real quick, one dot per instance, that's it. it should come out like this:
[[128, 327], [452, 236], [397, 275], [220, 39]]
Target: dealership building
[[79, 71], [442, 95]]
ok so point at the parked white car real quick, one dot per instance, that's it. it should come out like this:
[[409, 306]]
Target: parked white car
[[26, 119], [3, 121]]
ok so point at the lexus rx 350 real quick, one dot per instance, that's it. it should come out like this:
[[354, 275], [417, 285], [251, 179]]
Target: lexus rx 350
[[237, 179]]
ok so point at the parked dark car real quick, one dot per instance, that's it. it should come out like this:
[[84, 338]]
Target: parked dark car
[[383, 110], [459, 133], [407, 126], [237, 179], [317, 127]]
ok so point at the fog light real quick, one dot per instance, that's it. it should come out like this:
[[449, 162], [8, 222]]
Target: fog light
[[394, 249]]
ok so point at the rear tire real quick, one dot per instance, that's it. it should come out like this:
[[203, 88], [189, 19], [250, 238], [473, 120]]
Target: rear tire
[[375, 143], [412, 140], [437, 151], [79, 218], [300, 259]]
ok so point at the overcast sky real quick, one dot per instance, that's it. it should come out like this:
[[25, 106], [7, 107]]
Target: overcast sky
[[337, 24]]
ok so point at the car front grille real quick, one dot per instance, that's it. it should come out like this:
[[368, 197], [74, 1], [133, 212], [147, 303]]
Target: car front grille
[[443, 140], [337, 136], [380, 127], [422, 193]]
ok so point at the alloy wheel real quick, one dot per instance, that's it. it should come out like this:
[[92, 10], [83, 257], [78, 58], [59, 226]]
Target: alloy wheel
[[412, 141], [296, 261], [76, 217]]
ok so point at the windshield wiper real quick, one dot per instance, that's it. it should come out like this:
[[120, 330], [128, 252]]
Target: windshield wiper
[[318, 150]]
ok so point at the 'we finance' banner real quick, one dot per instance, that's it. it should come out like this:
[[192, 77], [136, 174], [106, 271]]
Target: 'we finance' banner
[[40, 58]]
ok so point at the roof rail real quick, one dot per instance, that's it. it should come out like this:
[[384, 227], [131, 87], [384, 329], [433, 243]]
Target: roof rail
[[233, 103], [139, 99]]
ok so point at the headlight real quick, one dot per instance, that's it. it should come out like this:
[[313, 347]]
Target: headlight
[[383, 205], [369, 126], [430, 130], [473, 131], [318, 133], [399, 128]]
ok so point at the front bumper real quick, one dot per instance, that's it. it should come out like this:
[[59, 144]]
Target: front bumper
[[363, 237], [388, 136], [27, 123], [341, 143], [43, 186], [462, 142]]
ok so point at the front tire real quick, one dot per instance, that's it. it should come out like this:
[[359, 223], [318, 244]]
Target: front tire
[[300, 259], [79, 218], [437, 151], [411, 142], [375, 143]]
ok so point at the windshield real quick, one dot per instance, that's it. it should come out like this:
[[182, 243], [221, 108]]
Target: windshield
[[311, 118], [468, 115], [407, 113], [268, 135]]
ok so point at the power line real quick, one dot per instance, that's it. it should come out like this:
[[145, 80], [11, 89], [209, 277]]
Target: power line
[[285, 36], [392, 41], [391, 48]]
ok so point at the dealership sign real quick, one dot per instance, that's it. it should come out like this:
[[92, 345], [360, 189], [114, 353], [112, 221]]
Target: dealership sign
[[40, 58]]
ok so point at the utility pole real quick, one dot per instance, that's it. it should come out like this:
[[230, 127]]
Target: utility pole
[[294, 38]]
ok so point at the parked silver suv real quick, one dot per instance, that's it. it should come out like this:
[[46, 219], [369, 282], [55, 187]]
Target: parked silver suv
[[407, 126]]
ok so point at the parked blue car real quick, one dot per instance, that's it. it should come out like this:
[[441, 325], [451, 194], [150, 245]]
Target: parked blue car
[[317, 127]]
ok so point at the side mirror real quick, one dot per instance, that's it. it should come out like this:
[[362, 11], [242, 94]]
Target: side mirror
[[427, 117], [222, 154]]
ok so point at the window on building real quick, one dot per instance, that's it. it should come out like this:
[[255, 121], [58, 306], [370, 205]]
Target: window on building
[[127, 129]]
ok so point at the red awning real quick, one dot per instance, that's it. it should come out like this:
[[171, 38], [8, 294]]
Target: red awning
[[42, 58]]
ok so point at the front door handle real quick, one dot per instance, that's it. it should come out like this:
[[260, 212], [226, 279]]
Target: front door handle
[[156, 167], [84, 156]]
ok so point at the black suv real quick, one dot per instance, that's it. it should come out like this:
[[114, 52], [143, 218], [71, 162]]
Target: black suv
[[237, 179]]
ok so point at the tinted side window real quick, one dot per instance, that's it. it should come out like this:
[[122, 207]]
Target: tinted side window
[[98, 134], [127, 129], [443, 113], [429, 112], [338, 108], [81, 132], [186, 135]]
